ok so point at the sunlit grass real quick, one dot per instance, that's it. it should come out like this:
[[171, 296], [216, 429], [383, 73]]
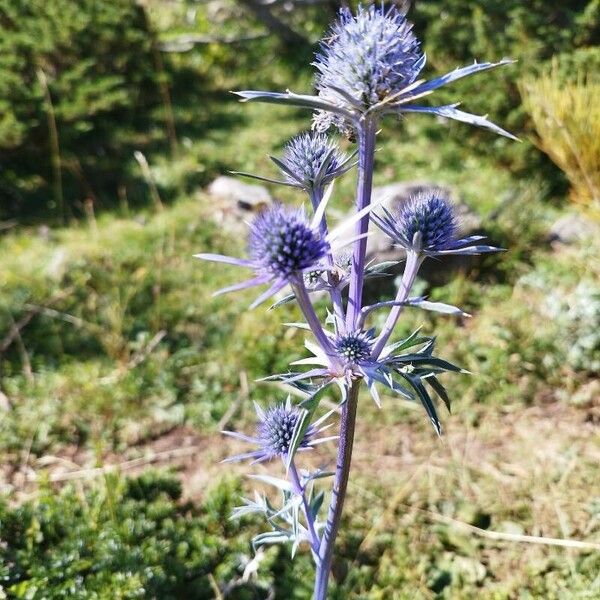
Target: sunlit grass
[[566, 115]]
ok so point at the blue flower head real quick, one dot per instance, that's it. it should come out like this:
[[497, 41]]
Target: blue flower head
[[354, 347], [275, 431], [284, 246], [312, 160], [369, 65], [432, 216], [282, 242], [368, 57], [426, 224]]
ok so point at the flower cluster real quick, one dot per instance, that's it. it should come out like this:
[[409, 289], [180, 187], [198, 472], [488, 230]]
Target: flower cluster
[[368, 57], [367, 67]]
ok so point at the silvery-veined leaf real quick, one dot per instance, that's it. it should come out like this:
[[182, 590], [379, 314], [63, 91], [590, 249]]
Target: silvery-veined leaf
[[291, 99], [258, 505], [440, 307], [450, 111], [420, 360], [318, 474], [271, 537], [382, 266], [289, 298], [412, 340]]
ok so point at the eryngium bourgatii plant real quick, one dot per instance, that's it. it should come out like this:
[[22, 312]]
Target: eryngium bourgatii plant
[[367, 67]]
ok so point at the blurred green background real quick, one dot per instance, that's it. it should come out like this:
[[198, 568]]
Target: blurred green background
[[118, 368]]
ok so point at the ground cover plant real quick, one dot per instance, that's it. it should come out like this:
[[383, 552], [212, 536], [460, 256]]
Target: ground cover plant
[[114, 356]]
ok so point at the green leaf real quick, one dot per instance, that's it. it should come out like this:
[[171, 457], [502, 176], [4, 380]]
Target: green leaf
[[316, 503], [440, 390], [426, 401], [307, 410]]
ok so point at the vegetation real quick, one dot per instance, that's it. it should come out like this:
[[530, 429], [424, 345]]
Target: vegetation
[[567, 120], [113, 351]]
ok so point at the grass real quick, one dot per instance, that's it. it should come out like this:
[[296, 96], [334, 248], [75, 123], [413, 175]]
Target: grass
[[127, 357], [567, 121]]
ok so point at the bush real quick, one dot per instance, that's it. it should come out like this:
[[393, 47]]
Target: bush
[[566, 115], [77, 83], [125, 539], [456, 31]]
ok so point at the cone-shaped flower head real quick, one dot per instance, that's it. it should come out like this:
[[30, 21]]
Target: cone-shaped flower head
[[275, 431], [282, 242], [354, 347], [426, 224], [432, 216], [368, 57], [284, 245], [312, 160]]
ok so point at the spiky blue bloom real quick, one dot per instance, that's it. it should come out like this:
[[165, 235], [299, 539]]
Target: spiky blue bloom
[[354, 347], [282, 242], [282, 245], [426, 224], [368, 57], [275, 431], [312, 160], [369, 65], [431, 216]]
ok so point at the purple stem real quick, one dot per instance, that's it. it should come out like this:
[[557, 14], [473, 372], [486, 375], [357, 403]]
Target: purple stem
[[298, 489], [411, 268], [366, 159], [308, 311], [338, 493]]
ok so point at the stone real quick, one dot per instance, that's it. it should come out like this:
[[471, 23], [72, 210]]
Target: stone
[[246, 197], [572, 228]]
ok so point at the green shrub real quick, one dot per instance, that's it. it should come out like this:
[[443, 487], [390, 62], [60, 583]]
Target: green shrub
[[532, 32], [129, 538], [81, 67]]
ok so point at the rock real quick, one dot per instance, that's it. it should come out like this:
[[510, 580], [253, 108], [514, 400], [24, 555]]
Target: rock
[[247, 197], [572, 228]]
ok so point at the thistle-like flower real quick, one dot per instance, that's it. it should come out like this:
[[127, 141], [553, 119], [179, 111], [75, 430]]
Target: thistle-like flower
[[312, 160], [283, 245], [368, 58], [426, 224], [354, 347], [369, 65], [275, 431]]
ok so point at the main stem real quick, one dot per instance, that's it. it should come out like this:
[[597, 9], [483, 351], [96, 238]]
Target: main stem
[[366, 159], [340, 484]]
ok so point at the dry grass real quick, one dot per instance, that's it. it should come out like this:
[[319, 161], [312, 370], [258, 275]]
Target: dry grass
[[566, 115]]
